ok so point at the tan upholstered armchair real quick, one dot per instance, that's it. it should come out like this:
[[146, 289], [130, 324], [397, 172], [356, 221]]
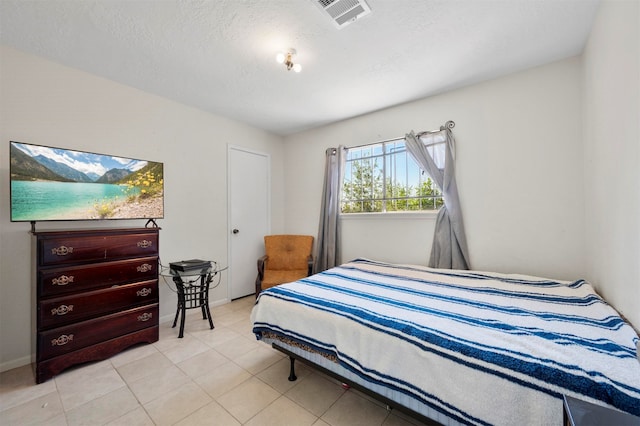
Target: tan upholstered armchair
[[288, 258]]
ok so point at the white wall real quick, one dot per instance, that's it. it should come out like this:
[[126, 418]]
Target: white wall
[[612, 155], [519, 169], [529, 155], [44, 103]]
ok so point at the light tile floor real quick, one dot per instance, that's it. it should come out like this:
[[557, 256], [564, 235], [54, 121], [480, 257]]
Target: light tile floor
[[222, 376]]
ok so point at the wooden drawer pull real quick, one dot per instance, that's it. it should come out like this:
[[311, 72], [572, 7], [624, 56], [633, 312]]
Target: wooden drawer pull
[[62, 340], [62, 310], [144, 292], [62, 280], [62, 250], [145, 317], [145, 243]]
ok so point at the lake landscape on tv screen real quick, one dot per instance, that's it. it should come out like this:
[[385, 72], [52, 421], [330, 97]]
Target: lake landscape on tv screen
[[50, 183]]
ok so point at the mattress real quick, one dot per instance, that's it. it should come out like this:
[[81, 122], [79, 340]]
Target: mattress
[[462, 347]]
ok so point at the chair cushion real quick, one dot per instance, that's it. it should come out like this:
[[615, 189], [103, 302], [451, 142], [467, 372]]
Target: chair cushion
[[274, 277], [288, 252]]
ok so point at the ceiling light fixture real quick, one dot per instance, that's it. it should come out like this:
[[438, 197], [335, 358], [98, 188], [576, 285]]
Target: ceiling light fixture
[[287, 60]]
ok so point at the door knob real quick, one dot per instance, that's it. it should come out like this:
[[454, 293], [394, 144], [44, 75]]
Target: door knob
[[235, 231]]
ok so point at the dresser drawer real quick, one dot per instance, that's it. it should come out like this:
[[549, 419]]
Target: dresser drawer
[[57, 281], [78, 248], [76, 307], [69, 338]]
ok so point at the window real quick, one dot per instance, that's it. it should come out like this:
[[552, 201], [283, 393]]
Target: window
[[384, 177]]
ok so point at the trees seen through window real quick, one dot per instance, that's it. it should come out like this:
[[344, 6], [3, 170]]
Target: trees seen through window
[[384, 177]]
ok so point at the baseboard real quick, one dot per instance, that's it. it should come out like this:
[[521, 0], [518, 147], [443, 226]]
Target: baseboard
[[15, 363], [219, 302], [166, 318], [169, 317]]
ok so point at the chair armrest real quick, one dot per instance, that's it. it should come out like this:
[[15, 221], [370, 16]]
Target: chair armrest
[[260, 277], [261, 262], [309, 265]]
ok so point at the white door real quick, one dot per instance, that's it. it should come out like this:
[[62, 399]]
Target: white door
[[249, 207]]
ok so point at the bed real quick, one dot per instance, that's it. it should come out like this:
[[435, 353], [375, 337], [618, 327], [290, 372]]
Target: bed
[[457, 347]]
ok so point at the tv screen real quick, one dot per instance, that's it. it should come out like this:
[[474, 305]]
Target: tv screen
[[50, 183]]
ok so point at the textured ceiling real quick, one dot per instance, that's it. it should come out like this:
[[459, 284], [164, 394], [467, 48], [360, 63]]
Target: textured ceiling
[[219, 55]]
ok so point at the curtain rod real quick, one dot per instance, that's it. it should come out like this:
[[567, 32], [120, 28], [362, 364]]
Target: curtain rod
[[448, 125]]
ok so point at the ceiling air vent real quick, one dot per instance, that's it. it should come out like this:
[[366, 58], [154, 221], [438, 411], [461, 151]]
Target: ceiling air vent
[[343, 12]]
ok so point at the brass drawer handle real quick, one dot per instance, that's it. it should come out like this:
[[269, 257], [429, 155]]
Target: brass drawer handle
[[145, 267], [62, 340], [62, 310], [144, 292], [145, 317], [145, 243], [62, 280], [62, 250]]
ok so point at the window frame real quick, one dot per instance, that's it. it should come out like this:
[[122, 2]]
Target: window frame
[[388, 152]]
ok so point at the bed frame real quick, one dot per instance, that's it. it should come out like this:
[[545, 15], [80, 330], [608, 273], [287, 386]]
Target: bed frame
[[388, 402]]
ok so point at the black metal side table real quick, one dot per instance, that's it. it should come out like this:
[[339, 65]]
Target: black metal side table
[[192, 287]]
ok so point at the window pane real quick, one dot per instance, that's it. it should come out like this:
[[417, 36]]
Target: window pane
[[384, 177]]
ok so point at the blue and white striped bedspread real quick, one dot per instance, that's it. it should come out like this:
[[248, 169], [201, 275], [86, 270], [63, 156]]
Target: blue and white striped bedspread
[[481, 348]]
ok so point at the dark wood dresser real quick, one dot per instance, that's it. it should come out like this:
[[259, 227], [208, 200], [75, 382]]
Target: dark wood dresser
[[96, 293]]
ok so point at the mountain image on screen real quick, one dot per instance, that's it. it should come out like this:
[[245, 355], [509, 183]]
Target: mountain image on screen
[[50, 183]]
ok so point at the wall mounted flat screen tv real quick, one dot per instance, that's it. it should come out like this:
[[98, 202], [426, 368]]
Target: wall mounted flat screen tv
[[49, 183]]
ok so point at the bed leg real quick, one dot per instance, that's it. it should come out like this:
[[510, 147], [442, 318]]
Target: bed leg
[[292, 371]]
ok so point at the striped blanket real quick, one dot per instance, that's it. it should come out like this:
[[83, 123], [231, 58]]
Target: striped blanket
[[476, 347]]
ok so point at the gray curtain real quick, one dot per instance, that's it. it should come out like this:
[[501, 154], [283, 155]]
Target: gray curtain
[[328, 241], [436, 157]]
